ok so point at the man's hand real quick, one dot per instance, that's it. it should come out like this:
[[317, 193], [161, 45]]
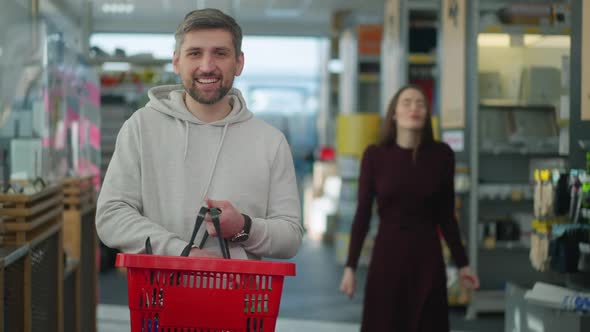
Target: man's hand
[[196, 252], [231, 221]]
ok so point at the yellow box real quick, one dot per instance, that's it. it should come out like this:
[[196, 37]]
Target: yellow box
[[354, 132]]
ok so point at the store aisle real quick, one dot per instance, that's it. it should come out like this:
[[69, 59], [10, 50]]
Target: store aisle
[[311, 299], [115, 318]]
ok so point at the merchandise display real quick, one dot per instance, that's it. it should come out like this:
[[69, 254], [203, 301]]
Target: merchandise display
[[562, 221], [519, 72]]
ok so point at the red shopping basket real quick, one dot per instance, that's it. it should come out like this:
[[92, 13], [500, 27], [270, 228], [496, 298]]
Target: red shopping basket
[[169, 294]]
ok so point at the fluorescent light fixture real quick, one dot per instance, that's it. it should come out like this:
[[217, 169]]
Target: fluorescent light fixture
[[283, 13], [273, 9], [116, 66], [118, 8], [530, 40], [493, 40]]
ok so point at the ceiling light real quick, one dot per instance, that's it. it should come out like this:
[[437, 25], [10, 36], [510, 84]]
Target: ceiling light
[[275, 12], [274, 9], [118, 8]]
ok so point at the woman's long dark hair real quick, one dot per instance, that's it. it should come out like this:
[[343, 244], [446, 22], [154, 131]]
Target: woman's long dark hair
[[389, 130]]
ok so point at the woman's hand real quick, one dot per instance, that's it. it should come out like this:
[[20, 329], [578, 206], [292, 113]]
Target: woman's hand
[[468, 278], [348, 283]]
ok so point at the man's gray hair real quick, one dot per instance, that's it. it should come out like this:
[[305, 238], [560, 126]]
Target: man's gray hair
[[204, 19]]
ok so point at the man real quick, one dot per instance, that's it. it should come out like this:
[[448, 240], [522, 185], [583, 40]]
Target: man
[[195, 145]]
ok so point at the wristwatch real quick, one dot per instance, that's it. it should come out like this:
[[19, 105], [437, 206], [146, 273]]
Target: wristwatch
[[244, 234]]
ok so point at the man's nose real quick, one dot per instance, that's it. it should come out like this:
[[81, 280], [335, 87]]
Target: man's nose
[[207, 63]]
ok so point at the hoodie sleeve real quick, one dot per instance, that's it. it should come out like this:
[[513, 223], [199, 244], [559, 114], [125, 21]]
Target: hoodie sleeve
[[280, 234], [119, 220]]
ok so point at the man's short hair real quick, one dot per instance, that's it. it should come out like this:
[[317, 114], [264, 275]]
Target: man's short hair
[[204, 19]]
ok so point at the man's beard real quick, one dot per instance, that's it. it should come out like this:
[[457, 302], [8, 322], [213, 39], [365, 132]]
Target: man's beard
[[194, 93]]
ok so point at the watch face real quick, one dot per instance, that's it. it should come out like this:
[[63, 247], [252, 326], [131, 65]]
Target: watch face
[[241, 237]]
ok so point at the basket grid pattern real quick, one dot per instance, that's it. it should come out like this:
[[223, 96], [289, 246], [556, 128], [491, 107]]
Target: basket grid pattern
[[254, 293]]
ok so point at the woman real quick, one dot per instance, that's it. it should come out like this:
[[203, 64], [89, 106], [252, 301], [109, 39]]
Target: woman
[[411, 176]]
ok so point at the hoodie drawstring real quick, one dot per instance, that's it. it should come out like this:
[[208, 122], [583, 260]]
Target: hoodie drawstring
[[212, 172], [185, 138]]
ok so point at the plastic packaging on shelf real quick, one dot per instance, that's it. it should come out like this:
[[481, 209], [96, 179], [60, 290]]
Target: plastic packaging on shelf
[[558, 297]]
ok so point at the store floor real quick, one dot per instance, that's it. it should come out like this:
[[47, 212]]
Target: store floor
[[311, 301]]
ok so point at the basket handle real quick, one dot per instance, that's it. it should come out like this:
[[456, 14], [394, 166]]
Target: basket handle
[[214, 212]]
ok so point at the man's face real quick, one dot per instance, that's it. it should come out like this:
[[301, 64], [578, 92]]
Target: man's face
[[207, 64]]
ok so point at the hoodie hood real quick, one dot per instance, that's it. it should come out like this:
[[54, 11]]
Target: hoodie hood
[[168, 99]]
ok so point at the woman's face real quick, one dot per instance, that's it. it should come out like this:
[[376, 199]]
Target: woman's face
[[411, 112]]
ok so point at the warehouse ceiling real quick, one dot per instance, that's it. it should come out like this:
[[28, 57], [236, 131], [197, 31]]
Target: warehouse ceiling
[[257, 17], [270, 17]]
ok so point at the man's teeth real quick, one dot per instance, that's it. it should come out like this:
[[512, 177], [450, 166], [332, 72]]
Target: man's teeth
[[207, 80]]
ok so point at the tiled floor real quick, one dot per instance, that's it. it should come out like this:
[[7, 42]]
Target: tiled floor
[[310, 301]]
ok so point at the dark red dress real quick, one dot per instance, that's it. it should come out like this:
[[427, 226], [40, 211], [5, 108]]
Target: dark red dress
[[406, 283]]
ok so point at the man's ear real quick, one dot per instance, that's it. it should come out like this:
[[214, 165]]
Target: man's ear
[[240, 64], [175, 59]]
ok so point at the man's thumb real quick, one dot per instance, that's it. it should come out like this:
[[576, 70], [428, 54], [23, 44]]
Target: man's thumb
[[213, 203]]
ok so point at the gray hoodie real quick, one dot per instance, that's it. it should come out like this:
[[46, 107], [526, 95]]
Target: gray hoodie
[[166, 162]]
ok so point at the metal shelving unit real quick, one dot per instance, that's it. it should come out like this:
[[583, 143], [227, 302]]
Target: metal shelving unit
[[513, 256], [526, 29]]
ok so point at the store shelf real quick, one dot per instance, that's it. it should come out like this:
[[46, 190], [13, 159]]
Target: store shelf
[[421, 59], [486, 302], [505, 245], [368, 78], [369, 58], [128, 90], [506, 192], [511, 103], [563, 123], [526, 29], [140, 61], [500, 150]]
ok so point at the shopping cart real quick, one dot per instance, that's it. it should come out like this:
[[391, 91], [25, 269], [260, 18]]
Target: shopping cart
[[170, 294]]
